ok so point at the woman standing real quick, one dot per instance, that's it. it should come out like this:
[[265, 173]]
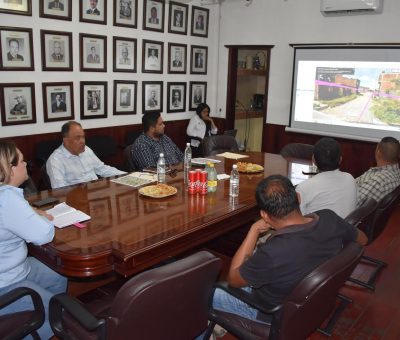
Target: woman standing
[[201, 125], [19, 225]]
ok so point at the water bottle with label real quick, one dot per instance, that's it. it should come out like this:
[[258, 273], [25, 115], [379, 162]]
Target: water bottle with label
[[234, 182], [211, 178], [187, 162], [161, 169]]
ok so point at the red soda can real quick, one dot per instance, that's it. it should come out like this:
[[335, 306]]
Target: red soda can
[[192, 183], [203, 183], [198, 171]]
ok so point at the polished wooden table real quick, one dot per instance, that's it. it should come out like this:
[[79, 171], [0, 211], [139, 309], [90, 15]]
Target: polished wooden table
[[128, 232]]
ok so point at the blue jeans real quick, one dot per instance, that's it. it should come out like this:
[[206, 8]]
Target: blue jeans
[[46, 283]]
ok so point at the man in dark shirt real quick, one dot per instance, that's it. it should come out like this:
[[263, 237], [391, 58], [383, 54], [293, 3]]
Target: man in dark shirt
[[148, 146], [299, 244]]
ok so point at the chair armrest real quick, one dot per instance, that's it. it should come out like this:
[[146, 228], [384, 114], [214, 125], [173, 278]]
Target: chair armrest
[[20, 292], [251, 298], [78, 312]]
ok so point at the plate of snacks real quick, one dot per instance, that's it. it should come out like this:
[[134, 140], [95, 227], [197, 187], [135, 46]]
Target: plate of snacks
[[158, 190], [249, 168]]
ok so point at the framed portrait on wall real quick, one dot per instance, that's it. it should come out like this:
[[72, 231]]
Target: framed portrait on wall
[[16, 49], [58, 101], [125, 13], [176, 97], [198, 59], [124, 54], [93, 99], [17, 103], [178, 18], [152, 57], [152, 96], [153, 15], [93, 11], [177, 58], [93, 52], [56, 9], [56, 50], [125, 94], [21, 7], [200, 18], [197, 94]]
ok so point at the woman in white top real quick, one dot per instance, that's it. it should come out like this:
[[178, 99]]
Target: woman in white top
[[201, 125], [19, 225]]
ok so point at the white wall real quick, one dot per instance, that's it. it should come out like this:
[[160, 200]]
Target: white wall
[[282, 22], [38, 76]]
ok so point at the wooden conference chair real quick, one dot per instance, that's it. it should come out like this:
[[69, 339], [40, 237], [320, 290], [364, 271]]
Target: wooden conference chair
[[214, 145]]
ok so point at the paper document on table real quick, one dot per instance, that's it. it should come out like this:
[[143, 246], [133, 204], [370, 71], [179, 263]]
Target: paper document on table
[[232, 155], [222, 176], [64, 215], [136, 179]]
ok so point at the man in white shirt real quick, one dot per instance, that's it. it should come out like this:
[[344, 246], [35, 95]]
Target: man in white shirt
[[330, 188], [74, 162]]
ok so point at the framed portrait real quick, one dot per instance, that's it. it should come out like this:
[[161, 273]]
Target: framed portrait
[[153, 15], [17, 104], [198, 59], [100, 212], [178, 18], [93, 52], [152, 58], [176, 97], [93, 11], [21, 7], [58, 101], [200, 17], [56, 9], [177, 58], [56, 50], [124, 54], [125, 94], [93, 99], [127, 206], [125, 13], [152, 96], [197, 94], [16, 48]]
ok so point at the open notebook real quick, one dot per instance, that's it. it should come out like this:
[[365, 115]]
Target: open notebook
[[64, 215]]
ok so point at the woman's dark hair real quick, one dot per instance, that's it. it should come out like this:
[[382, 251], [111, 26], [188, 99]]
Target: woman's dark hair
[[201, 107], [277, 196]]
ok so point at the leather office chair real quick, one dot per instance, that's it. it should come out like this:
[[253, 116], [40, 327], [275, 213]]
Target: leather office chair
[[131, 136], [102, 145], [45, 148], [44, 180], [17, 325], [214, 145], [167, 302], [29, 187], [298, 150], [372, 221], [129, 164], [303, 311]]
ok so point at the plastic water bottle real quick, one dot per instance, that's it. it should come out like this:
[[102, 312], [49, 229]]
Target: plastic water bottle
[[211, 178], [234, 182], [187, 163], [161, 169]]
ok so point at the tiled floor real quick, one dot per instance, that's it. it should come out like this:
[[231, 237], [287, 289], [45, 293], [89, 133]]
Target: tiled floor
[[373, 315]]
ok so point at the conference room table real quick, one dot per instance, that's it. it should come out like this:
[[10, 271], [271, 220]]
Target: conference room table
[[129, 232]]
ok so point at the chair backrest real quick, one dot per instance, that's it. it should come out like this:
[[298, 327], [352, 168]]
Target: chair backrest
[[129, 164], [232, 132], [374, 226], [364, 212], [313, 298], [298, 150], [44, 180], [131, 137], [29, 187], [219, 143], [168, 302], [45, 148], [102, 145]]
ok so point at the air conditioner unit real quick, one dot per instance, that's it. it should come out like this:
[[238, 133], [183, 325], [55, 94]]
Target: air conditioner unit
[[350, 7]]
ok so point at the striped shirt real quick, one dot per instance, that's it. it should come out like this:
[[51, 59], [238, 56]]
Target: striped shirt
[[146, 150], [377, 182]]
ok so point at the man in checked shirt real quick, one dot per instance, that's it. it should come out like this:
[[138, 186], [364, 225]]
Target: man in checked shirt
[[379, 181]]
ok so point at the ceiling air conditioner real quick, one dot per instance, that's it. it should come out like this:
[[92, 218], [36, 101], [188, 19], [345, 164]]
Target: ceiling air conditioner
[[350, 7]]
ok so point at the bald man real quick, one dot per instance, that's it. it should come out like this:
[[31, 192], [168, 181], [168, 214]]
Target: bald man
[[379, 181]]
